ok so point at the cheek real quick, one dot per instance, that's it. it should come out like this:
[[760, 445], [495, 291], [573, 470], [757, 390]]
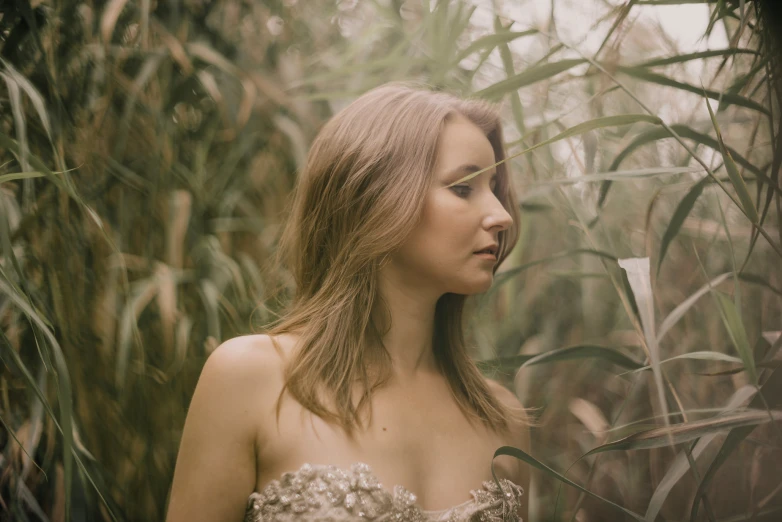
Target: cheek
[[444, 228]]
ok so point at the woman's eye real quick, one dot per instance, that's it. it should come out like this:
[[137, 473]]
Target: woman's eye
[[462, 190]]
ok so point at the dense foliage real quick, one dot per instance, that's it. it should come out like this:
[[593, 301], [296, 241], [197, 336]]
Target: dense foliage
[[147, 150]]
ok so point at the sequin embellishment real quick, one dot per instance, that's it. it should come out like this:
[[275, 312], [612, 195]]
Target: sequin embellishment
[[329, 493]]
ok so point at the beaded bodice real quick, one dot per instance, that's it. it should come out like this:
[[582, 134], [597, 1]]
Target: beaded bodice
[[328, 493]]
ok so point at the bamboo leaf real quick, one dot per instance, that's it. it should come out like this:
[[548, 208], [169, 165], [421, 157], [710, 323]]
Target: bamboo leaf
[[521, 455], [583, 351], [529, 76], [597, 123], [64, 389], [508, 365], [640, 281], [680, 310], [683, 210], [646, 75], [652, 135], [502, 277], [702, 355], [608, 121], [734, 174], [682, 58], [619, 175], [491, 41], [12, 75], [687, 431], [759, 280], [21, 175], [681, 464], [772, 390], [684, 131], [738, 334]]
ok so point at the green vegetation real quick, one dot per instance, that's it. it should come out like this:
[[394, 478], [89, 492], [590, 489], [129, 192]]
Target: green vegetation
[[146, 153]]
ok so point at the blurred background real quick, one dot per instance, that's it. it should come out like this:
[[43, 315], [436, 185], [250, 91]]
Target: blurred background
[[147, 151]]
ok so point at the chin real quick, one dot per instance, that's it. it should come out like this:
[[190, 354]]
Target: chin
[[477, 286]]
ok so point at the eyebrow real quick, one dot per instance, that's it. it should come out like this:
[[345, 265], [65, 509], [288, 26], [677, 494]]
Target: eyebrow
[[469, 168]]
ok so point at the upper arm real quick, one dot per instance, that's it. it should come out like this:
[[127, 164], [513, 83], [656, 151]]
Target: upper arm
[[519, 438], [215, 468]]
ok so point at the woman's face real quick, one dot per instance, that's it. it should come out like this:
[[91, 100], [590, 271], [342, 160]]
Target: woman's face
[[459, 221]]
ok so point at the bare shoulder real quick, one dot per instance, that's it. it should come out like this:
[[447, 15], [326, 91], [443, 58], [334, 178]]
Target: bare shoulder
[[216, 464], [253, 364], [248, 355]]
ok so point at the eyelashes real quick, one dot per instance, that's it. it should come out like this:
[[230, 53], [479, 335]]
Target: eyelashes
[[464, 190]]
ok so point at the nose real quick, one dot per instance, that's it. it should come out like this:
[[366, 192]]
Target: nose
[[496, 217]]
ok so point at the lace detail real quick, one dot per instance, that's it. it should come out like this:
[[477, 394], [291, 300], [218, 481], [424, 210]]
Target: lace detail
[[329, 493]]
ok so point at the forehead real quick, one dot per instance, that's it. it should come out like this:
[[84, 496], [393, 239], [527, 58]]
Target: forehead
[[462, 142]]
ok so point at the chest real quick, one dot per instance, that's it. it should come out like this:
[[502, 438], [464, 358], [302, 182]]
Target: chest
[[416, 437]]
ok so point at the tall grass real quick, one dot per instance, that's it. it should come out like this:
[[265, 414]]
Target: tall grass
[[146, 152]]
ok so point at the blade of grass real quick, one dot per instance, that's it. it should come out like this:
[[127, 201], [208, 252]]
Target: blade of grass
[[738, 335], [491, 41], [683, 210], [521, 455], [582, 351], [701, 356], [646, 75], [687, 431], [771, 388], [682, 58], [734, 174], [678, 312], [502, 277], [681, 463], [529, 76], [638, 275]]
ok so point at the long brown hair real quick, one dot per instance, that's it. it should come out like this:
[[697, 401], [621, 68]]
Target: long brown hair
[[358, 197]]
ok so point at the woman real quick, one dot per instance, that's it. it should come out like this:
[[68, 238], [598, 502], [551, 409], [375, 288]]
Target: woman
[[361, 402]]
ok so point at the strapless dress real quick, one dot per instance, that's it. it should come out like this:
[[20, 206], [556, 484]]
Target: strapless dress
[[328, 493]]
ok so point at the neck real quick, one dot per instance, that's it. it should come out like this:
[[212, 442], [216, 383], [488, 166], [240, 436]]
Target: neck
[[407, 324]]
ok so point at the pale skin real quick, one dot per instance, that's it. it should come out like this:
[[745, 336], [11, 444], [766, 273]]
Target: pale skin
[[232, 443]]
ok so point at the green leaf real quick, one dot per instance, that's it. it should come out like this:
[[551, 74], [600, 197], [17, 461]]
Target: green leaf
[[645, 74], [680, 310], [702, 355], [619, 175], [738, 334], [491, 41], [597, 123], [505, 276], [639, 277], [608, 121], [529, 76], [503, 365], [64, 389], [655, 62], [687, 431], [683, 210], [733, 172], [771, 391], [584, 351], [521, 455], [684, 131], [21, 175], [507, 365], [654, 134], [681, 463]]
